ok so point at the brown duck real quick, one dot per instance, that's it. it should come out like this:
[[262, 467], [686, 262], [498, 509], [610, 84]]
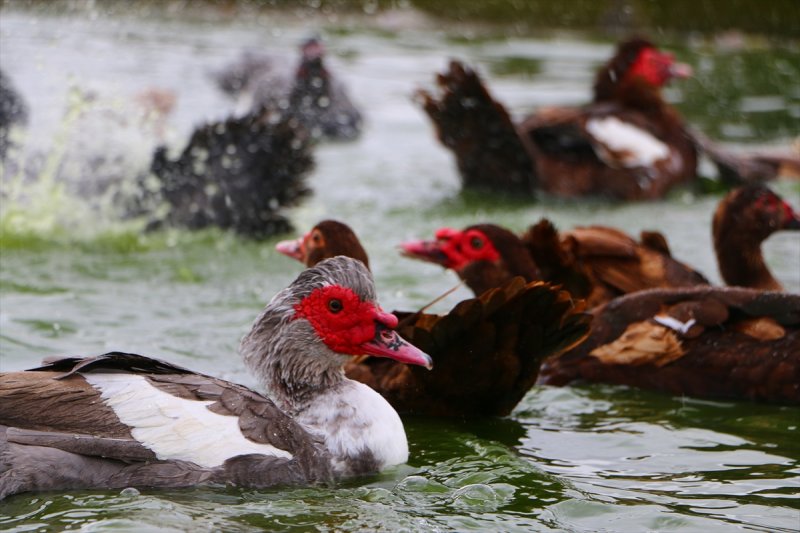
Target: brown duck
[[716, 342], [628, 143], [595, 263]]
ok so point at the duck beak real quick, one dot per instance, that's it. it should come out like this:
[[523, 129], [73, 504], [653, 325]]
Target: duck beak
[[681, 70], [387, 343], [429, 251], [292, 248]]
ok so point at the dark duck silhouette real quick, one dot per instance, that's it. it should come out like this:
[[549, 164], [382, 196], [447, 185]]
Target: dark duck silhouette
[[121, 420], [628, 143], [13, 112], [486, 350], [239, 174], [594, 263], [311, 94]]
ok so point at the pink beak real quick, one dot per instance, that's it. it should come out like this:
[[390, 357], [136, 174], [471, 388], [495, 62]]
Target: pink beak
[[681, 70], [429, 251], [292, 248], [387, 343]]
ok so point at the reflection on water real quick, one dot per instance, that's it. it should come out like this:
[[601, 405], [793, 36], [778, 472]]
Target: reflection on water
[[579, 459]]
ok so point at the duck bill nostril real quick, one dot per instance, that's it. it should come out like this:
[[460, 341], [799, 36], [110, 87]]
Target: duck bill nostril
[[387, 343]]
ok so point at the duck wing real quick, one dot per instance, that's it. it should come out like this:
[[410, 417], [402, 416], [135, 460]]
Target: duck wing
[[120, 420], [707, 342], [479, 132], [486, 351]]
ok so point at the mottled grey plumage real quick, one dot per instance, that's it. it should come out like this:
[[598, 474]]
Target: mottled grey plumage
[[290, 379]]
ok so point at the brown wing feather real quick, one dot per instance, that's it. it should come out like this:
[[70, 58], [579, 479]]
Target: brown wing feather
[[486, 351], [34, 400], [479, 132], [731, 356]]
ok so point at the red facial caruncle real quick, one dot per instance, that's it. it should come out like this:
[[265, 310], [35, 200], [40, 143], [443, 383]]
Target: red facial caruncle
[[770, 203], [657, 68], [343, 321], [465, 247]]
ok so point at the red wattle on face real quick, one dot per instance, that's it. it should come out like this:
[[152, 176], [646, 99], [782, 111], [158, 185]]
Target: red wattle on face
[[350, 326], [657, 68]]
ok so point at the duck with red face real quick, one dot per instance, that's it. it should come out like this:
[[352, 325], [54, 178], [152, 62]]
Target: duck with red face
[[484, 255], [628, 143], [120, 420]]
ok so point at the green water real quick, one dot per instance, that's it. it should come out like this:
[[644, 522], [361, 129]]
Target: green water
[[74, 280]]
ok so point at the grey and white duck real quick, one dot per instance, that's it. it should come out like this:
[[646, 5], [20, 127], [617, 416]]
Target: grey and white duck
[[123, 420]]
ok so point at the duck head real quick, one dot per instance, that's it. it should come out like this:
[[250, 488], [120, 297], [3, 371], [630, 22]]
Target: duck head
[[638, 63], [484, 255], [327, 239], [300, 342], [745, 218]]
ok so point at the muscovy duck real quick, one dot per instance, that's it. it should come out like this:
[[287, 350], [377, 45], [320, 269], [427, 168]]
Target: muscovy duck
[[595, 263], [486, 350], [311, 94], [121, 420], [628, 143]]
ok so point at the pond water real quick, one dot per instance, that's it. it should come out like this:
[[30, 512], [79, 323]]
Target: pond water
[[75, 280]]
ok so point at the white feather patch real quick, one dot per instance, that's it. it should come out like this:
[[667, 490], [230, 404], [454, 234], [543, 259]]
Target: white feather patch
[[674, 323], [175, 428], [629, 145], [355, 420]]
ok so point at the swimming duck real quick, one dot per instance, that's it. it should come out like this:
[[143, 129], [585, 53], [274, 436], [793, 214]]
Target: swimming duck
[[120, 420], [628, 143], [238, 174]]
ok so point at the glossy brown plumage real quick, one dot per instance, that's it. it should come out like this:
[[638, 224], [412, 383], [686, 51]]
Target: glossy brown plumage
[[599, 263], [553, 150], [486, 350], [744, 344]]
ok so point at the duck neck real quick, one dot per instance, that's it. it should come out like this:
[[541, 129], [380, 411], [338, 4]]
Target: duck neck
[[741, 262], [292, 380]]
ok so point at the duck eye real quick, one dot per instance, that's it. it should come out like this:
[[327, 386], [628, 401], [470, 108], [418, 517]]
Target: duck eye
[[476, 243], [316, 237], [335, 305]]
